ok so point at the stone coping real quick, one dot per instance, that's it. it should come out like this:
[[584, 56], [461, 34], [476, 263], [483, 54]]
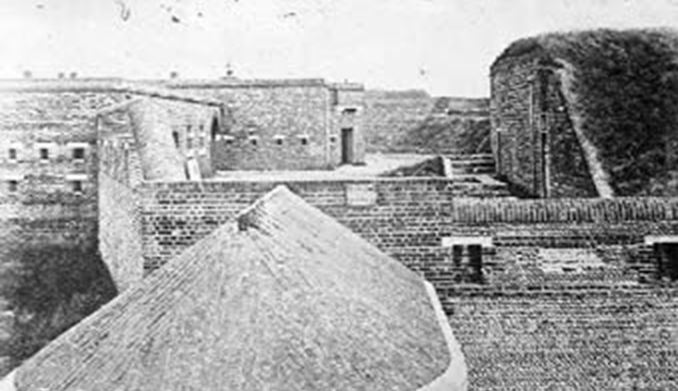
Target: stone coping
[[111, 86], [328, 179], [7, 382], [455, 378], [235, 83], [489, 291]]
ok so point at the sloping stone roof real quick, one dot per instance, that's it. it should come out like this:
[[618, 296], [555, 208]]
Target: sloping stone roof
[[150, 123], [284, 298]]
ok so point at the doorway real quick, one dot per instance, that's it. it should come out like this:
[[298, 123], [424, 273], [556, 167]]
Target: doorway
[[346, 145]]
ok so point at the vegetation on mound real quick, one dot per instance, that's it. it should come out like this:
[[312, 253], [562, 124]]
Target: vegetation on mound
[[52, 288], [450, 133], [412, 122], [626, 83]]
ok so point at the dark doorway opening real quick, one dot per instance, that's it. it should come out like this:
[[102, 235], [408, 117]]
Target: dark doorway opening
[[215, 128], [475, 252], [667, 258], [175, 138], [346, 145]]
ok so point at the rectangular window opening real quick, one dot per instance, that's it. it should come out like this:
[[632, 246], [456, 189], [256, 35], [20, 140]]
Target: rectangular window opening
[[76, 186], [12, 154], [44, 154], [79, 153], [12, 186]]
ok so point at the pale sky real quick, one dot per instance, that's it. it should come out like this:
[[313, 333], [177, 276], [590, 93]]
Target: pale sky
[[442, 46]]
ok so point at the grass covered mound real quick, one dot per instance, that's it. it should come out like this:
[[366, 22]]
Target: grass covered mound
[[414, 122], [437, 135], [626, 88]]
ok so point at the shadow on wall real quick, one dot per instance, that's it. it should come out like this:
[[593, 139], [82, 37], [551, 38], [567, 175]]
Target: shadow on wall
[[49, 289]]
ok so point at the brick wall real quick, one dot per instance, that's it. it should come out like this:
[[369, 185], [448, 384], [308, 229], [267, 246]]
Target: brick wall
[[409, 218], [277, 125], [605, 339], [347, 112], [533, 140], [46, 198], [566, 210], [598, 224], [47, 152], [525, 327], [404, 219]]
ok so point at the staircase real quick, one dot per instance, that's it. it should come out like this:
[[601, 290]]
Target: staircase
[[470, 164], [474, 172]]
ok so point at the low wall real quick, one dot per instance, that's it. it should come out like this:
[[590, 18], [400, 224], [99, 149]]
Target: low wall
[[120, 232], [565, 210], [176, 215], [410, 218], [119, 208]]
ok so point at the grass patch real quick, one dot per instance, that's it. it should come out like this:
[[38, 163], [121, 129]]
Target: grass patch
[[52, 288]]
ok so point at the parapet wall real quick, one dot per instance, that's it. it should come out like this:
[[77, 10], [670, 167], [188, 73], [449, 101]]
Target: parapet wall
[[566, 210], [176, 215], [416, 219], [119, 207]]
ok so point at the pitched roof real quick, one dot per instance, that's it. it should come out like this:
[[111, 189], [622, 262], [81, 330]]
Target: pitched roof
[[621, 87], [284, 299]]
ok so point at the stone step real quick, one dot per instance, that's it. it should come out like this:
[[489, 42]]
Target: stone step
[[472, 170], [470, 156], [464, 163]]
